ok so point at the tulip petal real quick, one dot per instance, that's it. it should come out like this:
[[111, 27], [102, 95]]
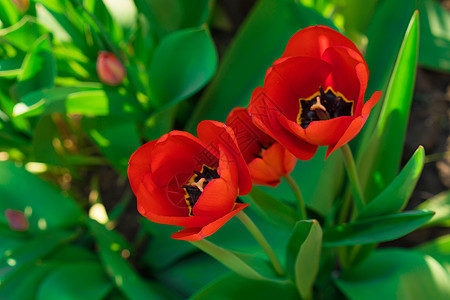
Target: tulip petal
[[314, 40], [356, 124], [139, 164], [213, 134], [287, 82], [349, 76], [219, 196], [195, 234], [250, 138], [266, 117]]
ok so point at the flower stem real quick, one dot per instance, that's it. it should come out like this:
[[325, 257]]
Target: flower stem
[[298, 195], [353, 177], [248, 223]]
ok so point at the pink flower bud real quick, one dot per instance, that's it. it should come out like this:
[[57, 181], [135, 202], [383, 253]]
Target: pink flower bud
[[110, 69], [21, 5], [16, 220]]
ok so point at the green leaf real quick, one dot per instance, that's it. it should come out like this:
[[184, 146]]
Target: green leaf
[[44, 133], [116, 137], [38, 68], [184, 276], [30, 251], [88, 100], [395, 197], [435, 35], [260, 41], [125, 277], [238, 288], [396, 274], [375, 230], [166, 16], [9, 14], [23, 34], [439, 249], [441, 205], [183, 62], [11, 67], [245, 265], [272, 209], [44, 205], [80, 280], [381, 150], [303, 255]]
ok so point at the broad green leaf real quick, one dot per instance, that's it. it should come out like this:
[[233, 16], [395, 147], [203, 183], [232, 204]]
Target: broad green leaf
[[272, 209], [167, 16], [245, 265], [358, 14], [80, 280], [9, 14], [38, 68], [381, 151], [434, 35], [183, 62], [116, 137], [89, 100], [44, 205], [30, 251], [238, 288], [439, 249], [42, 143], [11, 67], [395, 197], [260, 41], [303, 255], [186, 278], [23, 34], [396, 274], [125, 277], [24, 284], [440, 204], [375, 230]]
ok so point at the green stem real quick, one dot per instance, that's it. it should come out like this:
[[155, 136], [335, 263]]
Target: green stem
[[248, 223], [298, 195], [353, 177]]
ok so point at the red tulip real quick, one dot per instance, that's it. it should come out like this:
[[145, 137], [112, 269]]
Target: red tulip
[[314, 95], [266, 159], [21, 5], [190, 182], [110, 69], [17, 220]]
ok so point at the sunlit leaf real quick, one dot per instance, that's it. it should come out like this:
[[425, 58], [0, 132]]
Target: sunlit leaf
[[441, 205]]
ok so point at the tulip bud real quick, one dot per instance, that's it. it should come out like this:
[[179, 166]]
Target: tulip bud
[[16, 220], [21, 5], [110, 69]]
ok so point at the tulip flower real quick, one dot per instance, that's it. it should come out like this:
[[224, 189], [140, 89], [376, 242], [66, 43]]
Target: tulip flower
[[110, 69], [190, 182], [267, 160], [17, 220], [314, 94], [21, 5]]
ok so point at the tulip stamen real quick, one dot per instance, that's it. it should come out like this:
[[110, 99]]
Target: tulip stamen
[[196, 185], [323, 105]]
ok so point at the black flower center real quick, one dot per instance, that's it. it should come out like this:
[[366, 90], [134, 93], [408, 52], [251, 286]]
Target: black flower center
[[197, 184], [323, 106]]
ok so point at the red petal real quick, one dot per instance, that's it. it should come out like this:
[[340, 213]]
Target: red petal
[[350, 74], [178, 154], [213, 134], [139, 164], [314, 40], [220, 194], [327, 132], [356, 124], [195, 234], [250, 138], [266, 117], [294, 78]]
